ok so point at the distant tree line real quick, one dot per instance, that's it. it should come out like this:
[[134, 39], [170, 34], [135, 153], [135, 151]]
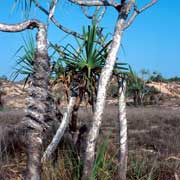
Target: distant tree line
[[158, 77], [138, 89]]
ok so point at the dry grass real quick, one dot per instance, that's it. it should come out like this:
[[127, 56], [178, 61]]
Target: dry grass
[[154, 146], [11, 117], [153, 137]]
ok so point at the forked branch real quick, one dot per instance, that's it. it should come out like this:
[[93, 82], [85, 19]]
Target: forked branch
[[84, 10], [56, 23], [52, 9], [95, 17], [137, 12]]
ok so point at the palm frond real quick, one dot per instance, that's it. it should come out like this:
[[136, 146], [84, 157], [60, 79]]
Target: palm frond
[[24, 5], [24, 63]]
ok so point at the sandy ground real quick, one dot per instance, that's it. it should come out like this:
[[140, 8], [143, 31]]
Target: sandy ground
[[171, 89]]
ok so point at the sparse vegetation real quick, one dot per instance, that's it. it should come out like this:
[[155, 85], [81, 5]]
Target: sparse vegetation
[[153, 147], [96, 144]]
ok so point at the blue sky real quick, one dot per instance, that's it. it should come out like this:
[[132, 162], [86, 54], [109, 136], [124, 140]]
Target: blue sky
[[152, 42]]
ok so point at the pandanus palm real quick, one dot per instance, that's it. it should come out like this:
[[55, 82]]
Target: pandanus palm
[[83, 66], [135, 87]]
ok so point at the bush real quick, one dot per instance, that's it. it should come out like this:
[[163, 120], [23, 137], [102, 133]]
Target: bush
[[157, 78]]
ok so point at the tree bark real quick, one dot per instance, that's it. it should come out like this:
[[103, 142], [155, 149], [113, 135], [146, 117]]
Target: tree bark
[[122, 125], [35, 121], [60, 132], [34, 155], [36, 114], [101, 96]]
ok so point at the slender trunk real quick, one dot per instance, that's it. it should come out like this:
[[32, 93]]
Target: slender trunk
[[123, 150], [101, 97], [60, 132], [74, 118], [139, 98], [77, 90], [1, 103], [135, 98]]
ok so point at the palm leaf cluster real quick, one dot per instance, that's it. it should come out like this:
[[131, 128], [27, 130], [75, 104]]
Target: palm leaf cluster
[[25, 59], [87, 59], [82, 64], [85, 62]]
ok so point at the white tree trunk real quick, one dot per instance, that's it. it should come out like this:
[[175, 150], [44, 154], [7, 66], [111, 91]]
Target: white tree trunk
[[122, 125], [101, 97], [60, 132]]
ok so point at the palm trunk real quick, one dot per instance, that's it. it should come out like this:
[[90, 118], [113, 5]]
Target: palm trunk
[[35, 119], [101, 97], [77, 90], [60, 132], [123, 150], [34, 156]]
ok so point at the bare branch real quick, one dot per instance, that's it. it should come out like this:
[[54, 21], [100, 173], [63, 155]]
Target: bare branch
[[95, 13], [60, 132], [94, 3], [52, 9], [131, 19], [30, 24], [148, 5], [102, 14], [86, 13], [66, 30], [136, 12], [129, 6], [40, 7], [94, 16]]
